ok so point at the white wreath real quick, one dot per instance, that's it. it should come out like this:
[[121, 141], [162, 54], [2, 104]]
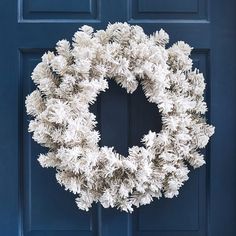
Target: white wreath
[[69, 81]]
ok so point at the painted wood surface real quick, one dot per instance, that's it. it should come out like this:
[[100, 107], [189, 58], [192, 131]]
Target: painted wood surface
[[33, 204]]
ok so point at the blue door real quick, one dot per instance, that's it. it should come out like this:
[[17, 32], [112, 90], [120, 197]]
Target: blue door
[[33, 204]]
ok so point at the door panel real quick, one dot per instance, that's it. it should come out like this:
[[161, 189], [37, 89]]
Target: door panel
[[57, 214], [31, 201], [163, 216], [166, 9], [58, 10]]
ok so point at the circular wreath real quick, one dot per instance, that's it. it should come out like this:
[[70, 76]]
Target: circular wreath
[[68, 82]]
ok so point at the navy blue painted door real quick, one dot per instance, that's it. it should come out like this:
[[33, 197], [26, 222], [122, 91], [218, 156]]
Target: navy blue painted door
[[33, 204]]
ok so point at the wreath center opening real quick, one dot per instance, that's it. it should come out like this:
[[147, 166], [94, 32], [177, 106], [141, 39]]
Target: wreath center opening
[[123, 119]]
